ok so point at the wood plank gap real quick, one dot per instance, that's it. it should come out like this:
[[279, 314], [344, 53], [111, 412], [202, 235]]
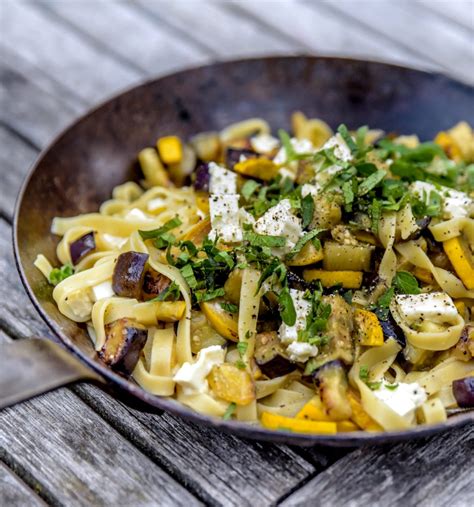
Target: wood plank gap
[[27, 478], [235, 8], [24, 138], [89, 39], [379, 33], [151, 15]]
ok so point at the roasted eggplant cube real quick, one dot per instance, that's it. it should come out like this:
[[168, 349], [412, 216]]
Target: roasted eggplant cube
[[270, 355], [125, 339], [392, 330], [154, 284], [331, 380], [202, 178], [81, 247], [463, 391], [233, 155], [129, 273]]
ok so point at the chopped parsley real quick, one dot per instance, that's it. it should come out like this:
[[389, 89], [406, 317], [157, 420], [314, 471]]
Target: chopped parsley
[[242, 348], [229, 307], [229, 411], [287, 307], [307, 210], [171, 293], [57, 275], [364, 373], [161, 236], [310, 236]]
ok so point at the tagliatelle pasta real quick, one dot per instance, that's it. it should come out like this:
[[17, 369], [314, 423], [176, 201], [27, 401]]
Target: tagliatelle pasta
[[318, 283]]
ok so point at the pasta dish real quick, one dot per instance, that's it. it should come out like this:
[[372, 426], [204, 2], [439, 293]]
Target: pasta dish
[[316, 282]]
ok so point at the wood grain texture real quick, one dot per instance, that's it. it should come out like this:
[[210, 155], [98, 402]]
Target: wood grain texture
[[323, 31], [14, 492], [438, 471], [430, 37]]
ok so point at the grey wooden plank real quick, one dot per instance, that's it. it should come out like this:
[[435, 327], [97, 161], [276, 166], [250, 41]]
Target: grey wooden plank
[[324, 31], [431, 37], [78, 457], [152, 47], [14, 492], [65, 55], [436, 471], [460, 12], [227, 34]]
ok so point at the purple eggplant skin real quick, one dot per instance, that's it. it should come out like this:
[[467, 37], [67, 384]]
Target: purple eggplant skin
[[392, 330], [125, 339], [81, 247], [331, 379], [232, 155], [463, 391], [129, 273], [154, 284], [270, 355], [201, 178]]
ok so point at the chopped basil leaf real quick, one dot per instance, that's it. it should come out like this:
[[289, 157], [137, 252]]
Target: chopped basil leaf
[[287, 308], [371, 182], [307, 210], [171, 293], [229, 307], [205, 295], [248, 189], [188, 275], [286, 143], [156, 233], [385, 299], [375, 212], [406, 283], [348, 194], [262, 240], [342, 129], [302, 242], [57, 275], [229, 412]]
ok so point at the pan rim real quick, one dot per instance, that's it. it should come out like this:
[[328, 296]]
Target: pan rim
[[236, 428]]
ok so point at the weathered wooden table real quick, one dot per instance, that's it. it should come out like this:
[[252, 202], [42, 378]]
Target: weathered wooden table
[[79, 446]]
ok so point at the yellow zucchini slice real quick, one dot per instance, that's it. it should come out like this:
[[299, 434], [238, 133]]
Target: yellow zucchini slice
[[170, 149], [309, 254], [313, 410], [360, 416], [260, 168], [348, 279], [279, 422], [230, 383], [368, 329], [461, 259], [338, 257], [225, 323]]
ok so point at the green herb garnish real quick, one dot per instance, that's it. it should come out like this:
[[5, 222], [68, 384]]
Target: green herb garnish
[[287, 307], [171, 293], [307, 210], [364, 373], [229, 307], [242, 348], [406, 283], [263, 240], [157, 233], [229, 412], [57, 275]]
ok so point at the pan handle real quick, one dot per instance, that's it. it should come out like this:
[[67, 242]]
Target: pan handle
[[32, 367]]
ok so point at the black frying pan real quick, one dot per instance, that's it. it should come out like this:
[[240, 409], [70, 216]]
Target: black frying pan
[[79, 169]]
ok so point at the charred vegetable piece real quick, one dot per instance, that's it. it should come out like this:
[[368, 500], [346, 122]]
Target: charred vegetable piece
[[314, 410], [129, 272], [125, 339], [225, 323], [233, 155], [232, 384], [463, 391], [154, 283], [201, 178], [368, 329], [465, 345], [332, 382], [81, 247], [392, 330], [298, 283], [339, 331], [270, 355]]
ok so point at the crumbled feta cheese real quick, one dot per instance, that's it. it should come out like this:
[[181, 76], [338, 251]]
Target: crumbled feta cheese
[[300, 146], [115, 241], [224, 210], [264, 143], [280, 221], [222, 181], [341, 150], [308, 189], [245, 218], [300, 352], [403, 399], [287, 173], [289, 334], [103, 290], [455, 204], [137, 214], [436, 307], [192, 376], [80, 303]]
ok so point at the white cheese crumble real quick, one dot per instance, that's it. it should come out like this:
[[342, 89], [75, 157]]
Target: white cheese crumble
[[300, 146], [103, 290], [341, 150], [192, 376], [245, 218], [80, 303], [115, 241], [287, 173], [221, 181], [308, 189], [280, 221], [455, 204], [289, 334], [137, 214], [403, 399], [300, 352], [436, 307], [264, 143], [224, 211], [156, 203]]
